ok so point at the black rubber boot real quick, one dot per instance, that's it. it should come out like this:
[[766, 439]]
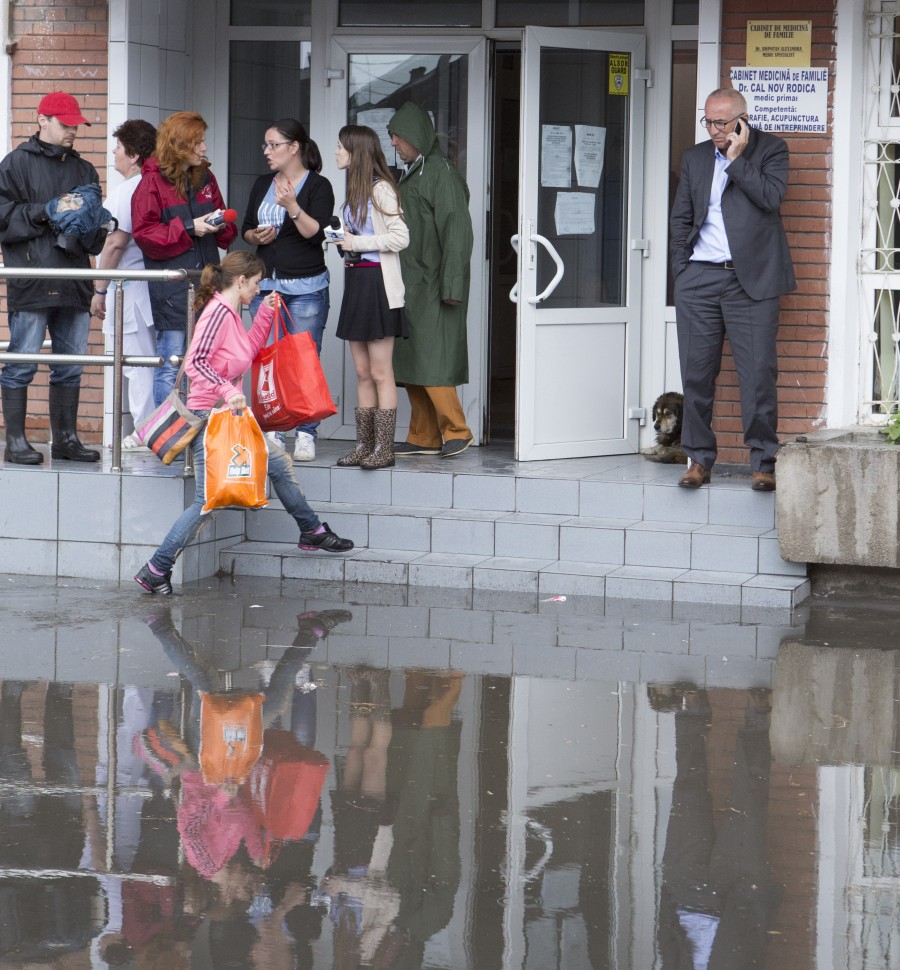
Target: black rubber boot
[[63, 423], [15, 407]]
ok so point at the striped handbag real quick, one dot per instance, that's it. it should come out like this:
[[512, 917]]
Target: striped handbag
[[172, 426]]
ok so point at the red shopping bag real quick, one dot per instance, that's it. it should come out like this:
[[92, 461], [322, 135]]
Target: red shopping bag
[[237, 461], [285, 785], [289, 386]]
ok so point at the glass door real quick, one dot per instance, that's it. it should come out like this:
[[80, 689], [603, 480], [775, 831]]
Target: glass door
[[579, 244], [370, 77]]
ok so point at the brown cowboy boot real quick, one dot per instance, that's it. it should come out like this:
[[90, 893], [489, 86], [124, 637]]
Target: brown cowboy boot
[[365, 438], [383, 453]]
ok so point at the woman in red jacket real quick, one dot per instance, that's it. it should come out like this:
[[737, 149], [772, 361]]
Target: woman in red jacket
[[170, 220]]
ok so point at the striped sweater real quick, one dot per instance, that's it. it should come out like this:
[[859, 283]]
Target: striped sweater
[[222, 351]]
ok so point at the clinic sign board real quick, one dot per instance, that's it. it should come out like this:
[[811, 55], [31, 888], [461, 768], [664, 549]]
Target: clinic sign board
[[779, 42], [784, 98]]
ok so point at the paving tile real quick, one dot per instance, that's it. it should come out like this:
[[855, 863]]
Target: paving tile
[[421, 488], [775, 591], [347, 484], [744, 674], [519, 628], [668, 501], [484, 492], [530, 660], [457, 534], [427, 652], [476, 626], [557, 496], [378, 567], [33, 557], [313, 565], [770, 560], [29, 506], [607, 665], [506, 601], [661, 668], [580, 542], [387, 621], [89, 508], [443, 569], [357, 650], [624, 500], [405, 530], [655, 636], [732, 553], [741, 506], [481, 658], [503, 573], [575, 578], [437, 598], [720, 640], [604, 633], [713, 587], [89, 560], [642, 582], [646, 547]]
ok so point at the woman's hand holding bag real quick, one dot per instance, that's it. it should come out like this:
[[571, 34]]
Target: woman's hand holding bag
[[237, 460]]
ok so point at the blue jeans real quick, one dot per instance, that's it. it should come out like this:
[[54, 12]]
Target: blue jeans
[[309, 312], [192, 520], [168, 342], [69, 331]]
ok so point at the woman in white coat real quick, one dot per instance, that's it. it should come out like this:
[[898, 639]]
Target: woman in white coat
[[372, 309], [135, 142]]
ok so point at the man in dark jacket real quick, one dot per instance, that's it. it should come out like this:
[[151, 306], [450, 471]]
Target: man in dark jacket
[[36, 173], [731, 264], [435, 266]]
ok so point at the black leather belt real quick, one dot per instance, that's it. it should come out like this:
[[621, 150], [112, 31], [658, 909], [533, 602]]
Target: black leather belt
[[726, 265]]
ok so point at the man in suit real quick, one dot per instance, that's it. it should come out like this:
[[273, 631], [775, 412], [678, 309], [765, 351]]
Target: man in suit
[[731, 263]]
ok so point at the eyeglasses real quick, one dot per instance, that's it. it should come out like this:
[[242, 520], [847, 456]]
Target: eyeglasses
[[717, 123], [270, 146]]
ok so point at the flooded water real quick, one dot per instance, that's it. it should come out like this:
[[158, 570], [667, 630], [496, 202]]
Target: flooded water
[[264, 775]]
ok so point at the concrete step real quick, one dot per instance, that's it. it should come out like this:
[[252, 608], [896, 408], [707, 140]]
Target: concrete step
[[514, 574]]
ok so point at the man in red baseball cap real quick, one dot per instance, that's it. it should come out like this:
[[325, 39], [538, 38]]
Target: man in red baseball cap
[[32, 176]]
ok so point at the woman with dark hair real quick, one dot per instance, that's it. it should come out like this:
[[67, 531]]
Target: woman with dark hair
[[170, 212], [135, 143], [221, 352], [287, 210], [372, 309]]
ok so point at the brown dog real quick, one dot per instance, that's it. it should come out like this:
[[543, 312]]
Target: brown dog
[[667, 412]]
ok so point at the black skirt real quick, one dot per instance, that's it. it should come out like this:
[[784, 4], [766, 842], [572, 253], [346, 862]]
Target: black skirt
[[365, 314]]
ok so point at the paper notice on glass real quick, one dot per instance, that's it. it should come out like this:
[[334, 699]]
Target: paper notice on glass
[[556, 156], [575, 213], [590, 142]]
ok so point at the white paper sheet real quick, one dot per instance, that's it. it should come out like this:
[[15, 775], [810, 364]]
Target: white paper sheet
[[575, 213], [590, 144], [556, 156]]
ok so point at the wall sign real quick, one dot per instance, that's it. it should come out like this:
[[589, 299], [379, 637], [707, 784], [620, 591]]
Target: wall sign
[[779, 42], [784, 98]]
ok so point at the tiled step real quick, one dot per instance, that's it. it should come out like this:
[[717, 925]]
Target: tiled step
[[512, 574]]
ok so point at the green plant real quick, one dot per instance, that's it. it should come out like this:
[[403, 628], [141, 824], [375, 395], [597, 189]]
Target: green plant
[[892, 429]]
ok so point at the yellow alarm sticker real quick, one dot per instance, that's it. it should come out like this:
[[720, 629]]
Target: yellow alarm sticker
[[618, 73]]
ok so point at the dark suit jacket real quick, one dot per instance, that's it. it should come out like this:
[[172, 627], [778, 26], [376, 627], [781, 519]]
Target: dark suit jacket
[[751, 201]]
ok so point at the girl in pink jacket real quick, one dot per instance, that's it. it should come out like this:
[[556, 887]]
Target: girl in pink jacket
[[220, 353]]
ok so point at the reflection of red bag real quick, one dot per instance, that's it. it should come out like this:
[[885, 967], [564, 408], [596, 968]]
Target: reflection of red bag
[[237, 461], [285, 785], [230, 735], [289, 386]]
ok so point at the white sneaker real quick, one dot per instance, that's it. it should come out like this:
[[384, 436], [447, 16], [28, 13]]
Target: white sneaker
[[277, 437], [304, 447], [132, 442]]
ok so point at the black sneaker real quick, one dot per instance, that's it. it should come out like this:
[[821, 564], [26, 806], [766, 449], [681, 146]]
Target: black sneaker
[[404, 449], [153, 583], [327, 541], [455, 446]]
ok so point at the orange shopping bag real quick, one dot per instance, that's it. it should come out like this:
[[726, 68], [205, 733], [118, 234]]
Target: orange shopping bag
[[237, 461], [231, 733]]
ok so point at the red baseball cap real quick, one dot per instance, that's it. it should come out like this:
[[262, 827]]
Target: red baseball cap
[[60, 105]]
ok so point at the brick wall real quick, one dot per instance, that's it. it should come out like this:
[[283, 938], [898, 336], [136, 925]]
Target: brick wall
[[57, 46], [802, 337]]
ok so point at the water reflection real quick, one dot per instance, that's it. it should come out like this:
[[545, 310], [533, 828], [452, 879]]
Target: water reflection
[[261, 791]]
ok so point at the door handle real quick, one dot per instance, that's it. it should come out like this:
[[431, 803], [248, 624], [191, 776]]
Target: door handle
[[560, 268], [514, 292]]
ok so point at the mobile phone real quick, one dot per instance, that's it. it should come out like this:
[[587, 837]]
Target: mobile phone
[[738, 128]]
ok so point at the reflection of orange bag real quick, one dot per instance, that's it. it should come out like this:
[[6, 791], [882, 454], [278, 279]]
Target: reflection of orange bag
[[285, 785], [230, 736], [237, 461]]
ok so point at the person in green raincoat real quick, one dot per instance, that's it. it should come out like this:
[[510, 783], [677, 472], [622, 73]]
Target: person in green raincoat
[[435, 266]]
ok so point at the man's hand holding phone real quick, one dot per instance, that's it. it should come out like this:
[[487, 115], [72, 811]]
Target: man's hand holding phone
[[738, 139]]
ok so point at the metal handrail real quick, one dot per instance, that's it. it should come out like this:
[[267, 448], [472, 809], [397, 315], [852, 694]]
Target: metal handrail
[[117, 360]]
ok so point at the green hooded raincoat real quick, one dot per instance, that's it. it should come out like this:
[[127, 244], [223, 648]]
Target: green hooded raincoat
[[435, 266]]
